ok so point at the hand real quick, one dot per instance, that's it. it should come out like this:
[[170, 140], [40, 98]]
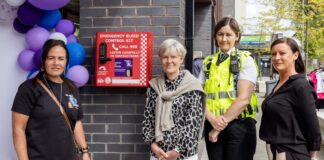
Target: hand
[[313, 155], [219, 123], [85, 156], [158, 152], [172, 155], [213, 135]]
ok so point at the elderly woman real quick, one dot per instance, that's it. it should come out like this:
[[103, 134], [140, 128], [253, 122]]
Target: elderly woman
[[174, 109]]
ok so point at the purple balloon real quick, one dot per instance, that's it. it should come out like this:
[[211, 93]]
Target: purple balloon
[[25, 59], [36, 37], [71, 38], [37, 58], [49, 4], [28, 14], [65, 26], [79, 75], [20, 27]]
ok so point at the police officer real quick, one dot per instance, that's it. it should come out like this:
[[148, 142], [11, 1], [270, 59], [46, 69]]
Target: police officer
[[229, 77]]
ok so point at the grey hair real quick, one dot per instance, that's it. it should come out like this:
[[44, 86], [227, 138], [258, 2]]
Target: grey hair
[[170, 45]]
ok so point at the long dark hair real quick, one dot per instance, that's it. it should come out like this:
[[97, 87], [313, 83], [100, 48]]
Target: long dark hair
[[48, 45], [299, 64], [233, 25]]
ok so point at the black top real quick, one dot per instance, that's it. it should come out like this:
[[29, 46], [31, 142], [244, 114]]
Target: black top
[[289, 117], [47, 134], [187, 113]]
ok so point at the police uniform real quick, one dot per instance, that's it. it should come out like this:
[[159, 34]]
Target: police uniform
[[238, 139]]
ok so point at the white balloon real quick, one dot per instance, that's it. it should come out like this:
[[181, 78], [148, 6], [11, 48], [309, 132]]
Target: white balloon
[[58, 36], [7, 12], [15, 3]]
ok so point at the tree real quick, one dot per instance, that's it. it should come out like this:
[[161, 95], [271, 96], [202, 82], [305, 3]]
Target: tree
[[306, 18]]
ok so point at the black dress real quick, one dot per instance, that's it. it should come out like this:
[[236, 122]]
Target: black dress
[[289, 122]]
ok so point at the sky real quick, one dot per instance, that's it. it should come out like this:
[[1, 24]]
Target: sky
[[253, 9]]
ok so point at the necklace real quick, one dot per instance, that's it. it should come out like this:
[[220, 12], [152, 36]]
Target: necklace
[[50, 88]]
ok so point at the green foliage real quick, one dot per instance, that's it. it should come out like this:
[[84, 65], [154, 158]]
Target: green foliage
[[312, 12]]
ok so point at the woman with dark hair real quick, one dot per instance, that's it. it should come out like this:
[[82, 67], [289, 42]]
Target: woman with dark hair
[[229, 78], [289, 124], [40, 130]]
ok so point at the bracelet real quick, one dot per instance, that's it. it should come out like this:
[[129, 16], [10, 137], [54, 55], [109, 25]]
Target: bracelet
[[84, 150], [87, 151]]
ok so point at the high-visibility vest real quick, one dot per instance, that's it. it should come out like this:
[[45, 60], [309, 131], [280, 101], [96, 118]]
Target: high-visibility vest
[[219, 85]]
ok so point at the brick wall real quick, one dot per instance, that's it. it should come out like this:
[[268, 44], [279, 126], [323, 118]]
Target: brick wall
[[113, 115]]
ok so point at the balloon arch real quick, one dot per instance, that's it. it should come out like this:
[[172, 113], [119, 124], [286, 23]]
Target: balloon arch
[[41, 20]]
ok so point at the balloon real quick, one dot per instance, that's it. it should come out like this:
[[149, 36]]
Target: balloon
[[49, 19], [20, 27], [37, 58], [79, 75], [49, 4], [58, 36], [76, 53], [15, 3], [28, 14], [65, 26], [71, 38], [36, 38], [25, 59], [33, 73], [7, 12]]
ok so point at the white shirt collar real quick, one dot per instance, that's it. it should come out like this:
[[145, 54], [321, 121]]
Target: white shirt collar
[[229, 51]]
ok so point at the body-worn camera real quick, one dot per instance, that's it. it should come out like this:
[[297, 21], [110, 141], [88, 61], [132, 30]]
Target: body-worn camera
[[234, 61]]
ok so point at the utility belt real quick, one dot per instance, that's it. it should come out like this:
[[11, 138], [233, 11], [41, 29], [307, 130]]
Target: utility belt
[[244, 120], [248, 112]]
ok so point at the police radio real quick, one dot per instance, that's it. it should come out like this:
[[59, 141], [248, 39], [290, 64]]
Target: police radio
[[234, 61]]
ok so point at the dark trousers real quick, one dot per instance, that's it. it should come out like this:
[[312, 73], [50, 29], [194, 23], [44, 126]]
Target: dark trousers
[[236, 142], [292, 152]]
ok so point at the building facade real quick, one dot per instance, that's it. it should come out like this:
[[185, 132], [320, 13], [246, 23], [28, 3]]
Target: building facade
[[113, 115]]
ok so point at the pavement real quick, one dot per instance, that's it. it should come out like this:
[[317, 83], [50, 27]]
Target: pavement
[[261, 153]]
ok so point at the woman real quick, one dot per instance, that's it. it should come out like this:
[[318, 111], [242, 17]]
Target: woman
[[39, 129], [174, 108], [128, 72], [289, 123], [229, 78]]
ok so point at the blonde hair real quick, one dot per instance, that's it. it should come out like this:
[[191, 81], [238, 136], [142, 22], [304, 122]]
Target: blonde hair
[[172, 46]]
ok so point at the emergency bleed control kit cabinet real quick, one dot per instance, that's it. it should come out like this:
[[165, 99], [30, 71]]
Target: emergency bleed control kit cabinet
[[123, 59]]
